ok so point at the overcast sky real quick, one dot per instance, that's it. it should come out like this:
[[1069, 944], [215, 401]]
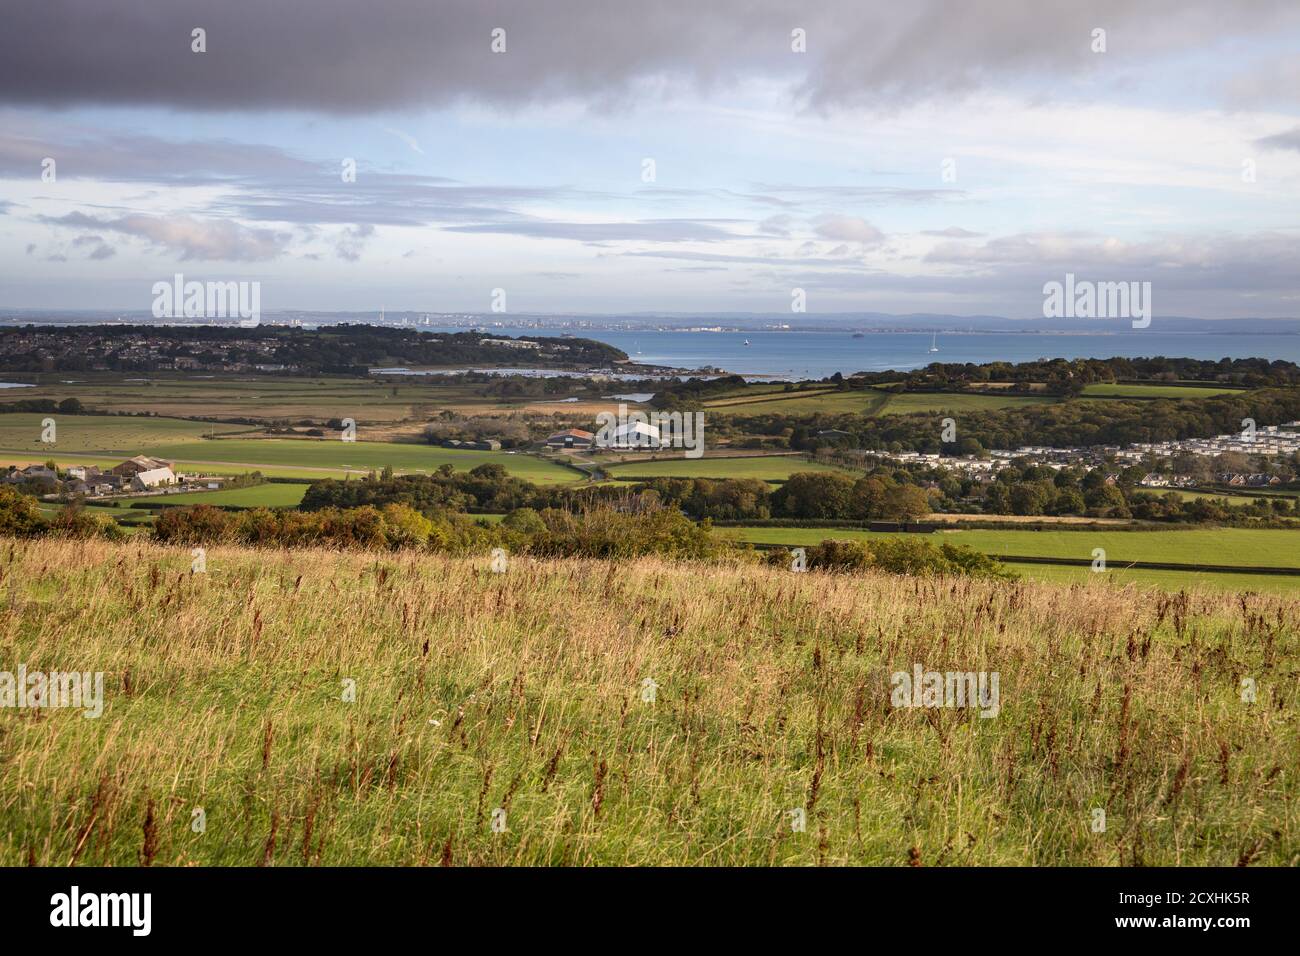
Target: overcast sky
[[662, 155]]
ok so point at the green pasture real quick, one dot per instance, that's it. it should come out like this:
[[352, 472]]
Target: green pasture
[[762, 467], [1143, 390], [1243, 547]]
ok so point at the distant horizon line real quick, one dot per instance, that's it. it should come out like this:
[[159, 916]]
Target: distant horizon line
[[787, 318]]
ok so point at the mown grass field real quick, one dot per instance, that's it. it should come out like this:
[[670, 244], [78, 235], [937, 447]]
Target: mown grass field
[[1241, 547], [103, 434], [762, 467], [910, 402], [518, 697], [1143, 390], [266, 496]]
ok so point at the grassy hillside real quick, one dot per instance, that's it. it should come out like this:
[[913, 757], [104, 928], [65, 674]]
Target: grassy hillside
[[521, 691]]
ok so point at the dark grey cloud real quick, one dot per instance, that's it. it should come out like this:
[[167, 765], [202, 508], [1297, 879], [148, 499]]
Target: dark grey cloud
[[339, 57]]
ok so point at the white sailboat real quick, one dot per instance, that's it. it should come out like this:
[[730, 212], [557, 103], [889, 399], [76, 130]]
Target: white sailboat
[[933, 342]]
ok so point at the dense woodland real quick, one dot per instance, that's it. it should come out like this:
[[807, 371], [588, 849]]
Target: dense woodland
[[336, 350], [1072, 424]]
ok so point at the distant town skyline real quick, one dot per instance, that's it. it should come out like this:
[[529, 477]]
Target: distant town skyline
[[672, 157]]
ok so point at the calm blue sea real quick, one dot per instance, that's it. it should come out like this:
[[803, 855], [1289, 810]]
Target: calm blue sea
[[798, 354]]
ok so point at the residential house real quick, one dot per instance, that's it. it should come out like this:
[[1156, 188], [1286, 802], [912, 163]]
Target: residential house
[[38, 474]]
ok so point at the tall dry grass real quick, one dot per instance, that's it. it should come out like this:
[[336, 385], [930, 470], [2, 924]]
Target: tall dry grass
[[521, 691]]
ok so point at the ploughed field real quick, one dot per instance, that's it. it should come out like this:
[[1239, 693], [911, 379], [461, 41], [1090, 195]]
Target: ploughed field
[[580, 712]]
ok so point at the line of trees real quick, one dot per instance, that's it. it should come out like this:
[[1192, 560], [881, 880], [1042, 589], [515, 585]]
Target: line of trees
[[600, 532], [883, 495]]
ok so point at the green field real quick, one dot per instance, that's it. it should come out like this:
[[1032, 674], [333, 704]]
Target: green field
[[106, 440], [105, 434], [266, 397], [1243, 547], [871, 402], [1115, 390], [830, 401], [267, 496], [763, 467], [313, 458], [1164, 580], [909, 402], [1206, 496]]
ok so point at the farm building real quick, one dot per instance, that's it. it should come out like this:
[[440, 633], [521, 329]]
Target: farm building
[[133, 466], [571, 438], [634, 435], [152, 478]]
